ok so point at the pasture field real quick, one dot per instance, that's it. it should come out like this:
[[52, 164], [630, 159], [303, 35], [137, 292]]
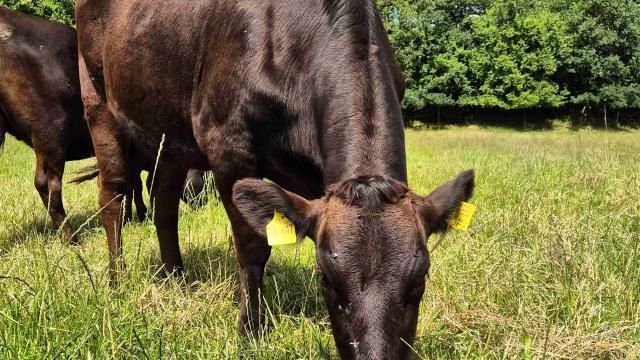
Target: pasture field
[[549, 269]]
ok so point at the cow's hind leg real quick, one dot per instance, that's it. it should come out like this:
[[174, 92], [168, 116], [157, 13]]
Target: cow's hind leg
[[194, 193], [3, 128], [111, 145], [111, 152], [48, 182], [167, 188], [128, 203]]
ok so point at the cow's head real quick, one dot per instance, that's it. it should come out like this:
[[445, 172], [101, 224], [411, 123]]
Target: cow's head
[[370, 235]]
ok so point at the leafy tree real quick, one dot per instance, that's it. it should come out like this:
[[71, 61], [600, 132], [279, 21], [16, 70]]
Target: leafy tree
[[603, 66], [516, 50], [426, 35], [515, 54], [407, 23], [56, 10]]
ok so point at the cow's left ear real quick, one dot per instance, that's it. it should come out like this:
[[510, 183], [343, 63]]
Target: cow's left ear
[[436, 208], [257, 200]]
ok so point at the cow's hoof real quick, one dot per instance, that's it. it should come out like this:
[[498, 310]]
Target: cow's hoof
[[251, 327], [69, 236]]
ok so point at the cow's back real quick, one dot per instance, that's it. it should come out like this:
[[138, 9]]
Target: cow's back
[[144, 56], [39, 85]]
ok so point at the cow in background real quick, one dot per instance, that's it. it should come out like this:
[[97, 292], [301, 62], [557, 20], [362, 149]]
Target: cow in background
[[40, 105]]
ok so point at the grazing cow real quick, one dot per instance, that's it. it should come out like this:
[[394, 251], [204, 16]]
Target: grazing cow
[[40, 101], [305, 93], [40, 104]]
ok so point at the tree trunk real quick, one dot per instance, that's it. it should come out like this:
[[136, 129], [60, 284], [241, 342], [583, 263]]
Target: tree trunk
[[605, 118]]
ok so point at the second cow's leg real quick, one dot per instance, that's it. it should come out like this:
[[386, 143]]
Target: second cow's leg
[[136, 187], [134, 194], [128, 203], [48, 182], [167, 188]]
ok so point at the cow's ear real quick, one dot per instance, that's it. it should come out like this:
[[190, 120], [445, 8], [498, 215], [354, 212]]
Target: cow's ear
[[257, 201], [436, 208]]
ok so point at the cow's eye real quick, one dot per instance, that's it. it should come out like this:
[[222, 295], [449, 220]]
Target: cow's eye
[[416, 291], [324, 281]]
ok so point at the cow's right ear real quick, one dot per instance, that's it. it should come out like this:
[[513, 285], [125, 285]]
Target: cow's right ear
[[257, 201]]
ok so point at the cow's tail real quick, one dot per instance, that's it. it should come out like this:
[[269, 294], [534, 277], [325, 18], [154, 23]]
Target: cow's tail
[[86, 174]]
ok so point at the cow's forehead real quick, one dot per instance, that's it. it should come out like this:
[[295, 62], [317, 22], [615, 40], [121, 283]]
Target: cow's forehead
[[344, 224]]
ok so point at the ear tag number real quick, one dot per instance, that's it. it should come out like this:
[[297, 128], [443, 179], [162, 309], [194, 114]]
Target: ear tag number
[[463, 219], [281, 231]]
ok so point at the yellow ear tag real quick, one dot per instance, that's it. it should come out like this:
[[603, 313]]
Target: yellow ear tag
[[281, 231], [462, 221]]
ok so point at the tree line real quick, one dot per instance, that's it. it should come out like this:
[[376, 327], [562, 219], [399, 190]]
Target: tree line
[[517, 54], [498, 54]]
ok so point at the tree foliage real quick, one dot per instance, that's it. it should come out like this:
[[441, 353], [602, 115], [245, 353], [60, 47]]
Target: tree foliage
[[603, 66], [56, 10], [517, 54]]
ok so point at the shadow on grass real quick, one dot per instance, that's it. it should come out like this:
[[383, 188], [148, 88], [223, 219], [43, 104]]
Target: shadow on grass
[[42, 227], [290, 289], [521, 120]]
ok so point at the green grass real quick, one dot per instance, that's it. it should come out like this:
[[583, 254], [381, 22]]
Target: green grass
[[550, 267]]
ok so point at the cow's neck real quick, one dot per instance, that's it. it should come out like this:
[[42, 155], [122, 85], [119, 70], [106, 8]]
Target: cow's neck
[[360, 143], [363, 129]]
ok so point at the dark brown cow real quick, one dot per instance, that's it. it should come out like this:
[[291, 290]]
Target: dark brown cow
[[40, 101], [304, 93], [40, 104]]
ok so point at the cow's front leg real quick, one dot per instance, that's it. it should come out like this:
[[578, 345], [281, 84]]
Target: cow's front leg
[[252, 252]]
